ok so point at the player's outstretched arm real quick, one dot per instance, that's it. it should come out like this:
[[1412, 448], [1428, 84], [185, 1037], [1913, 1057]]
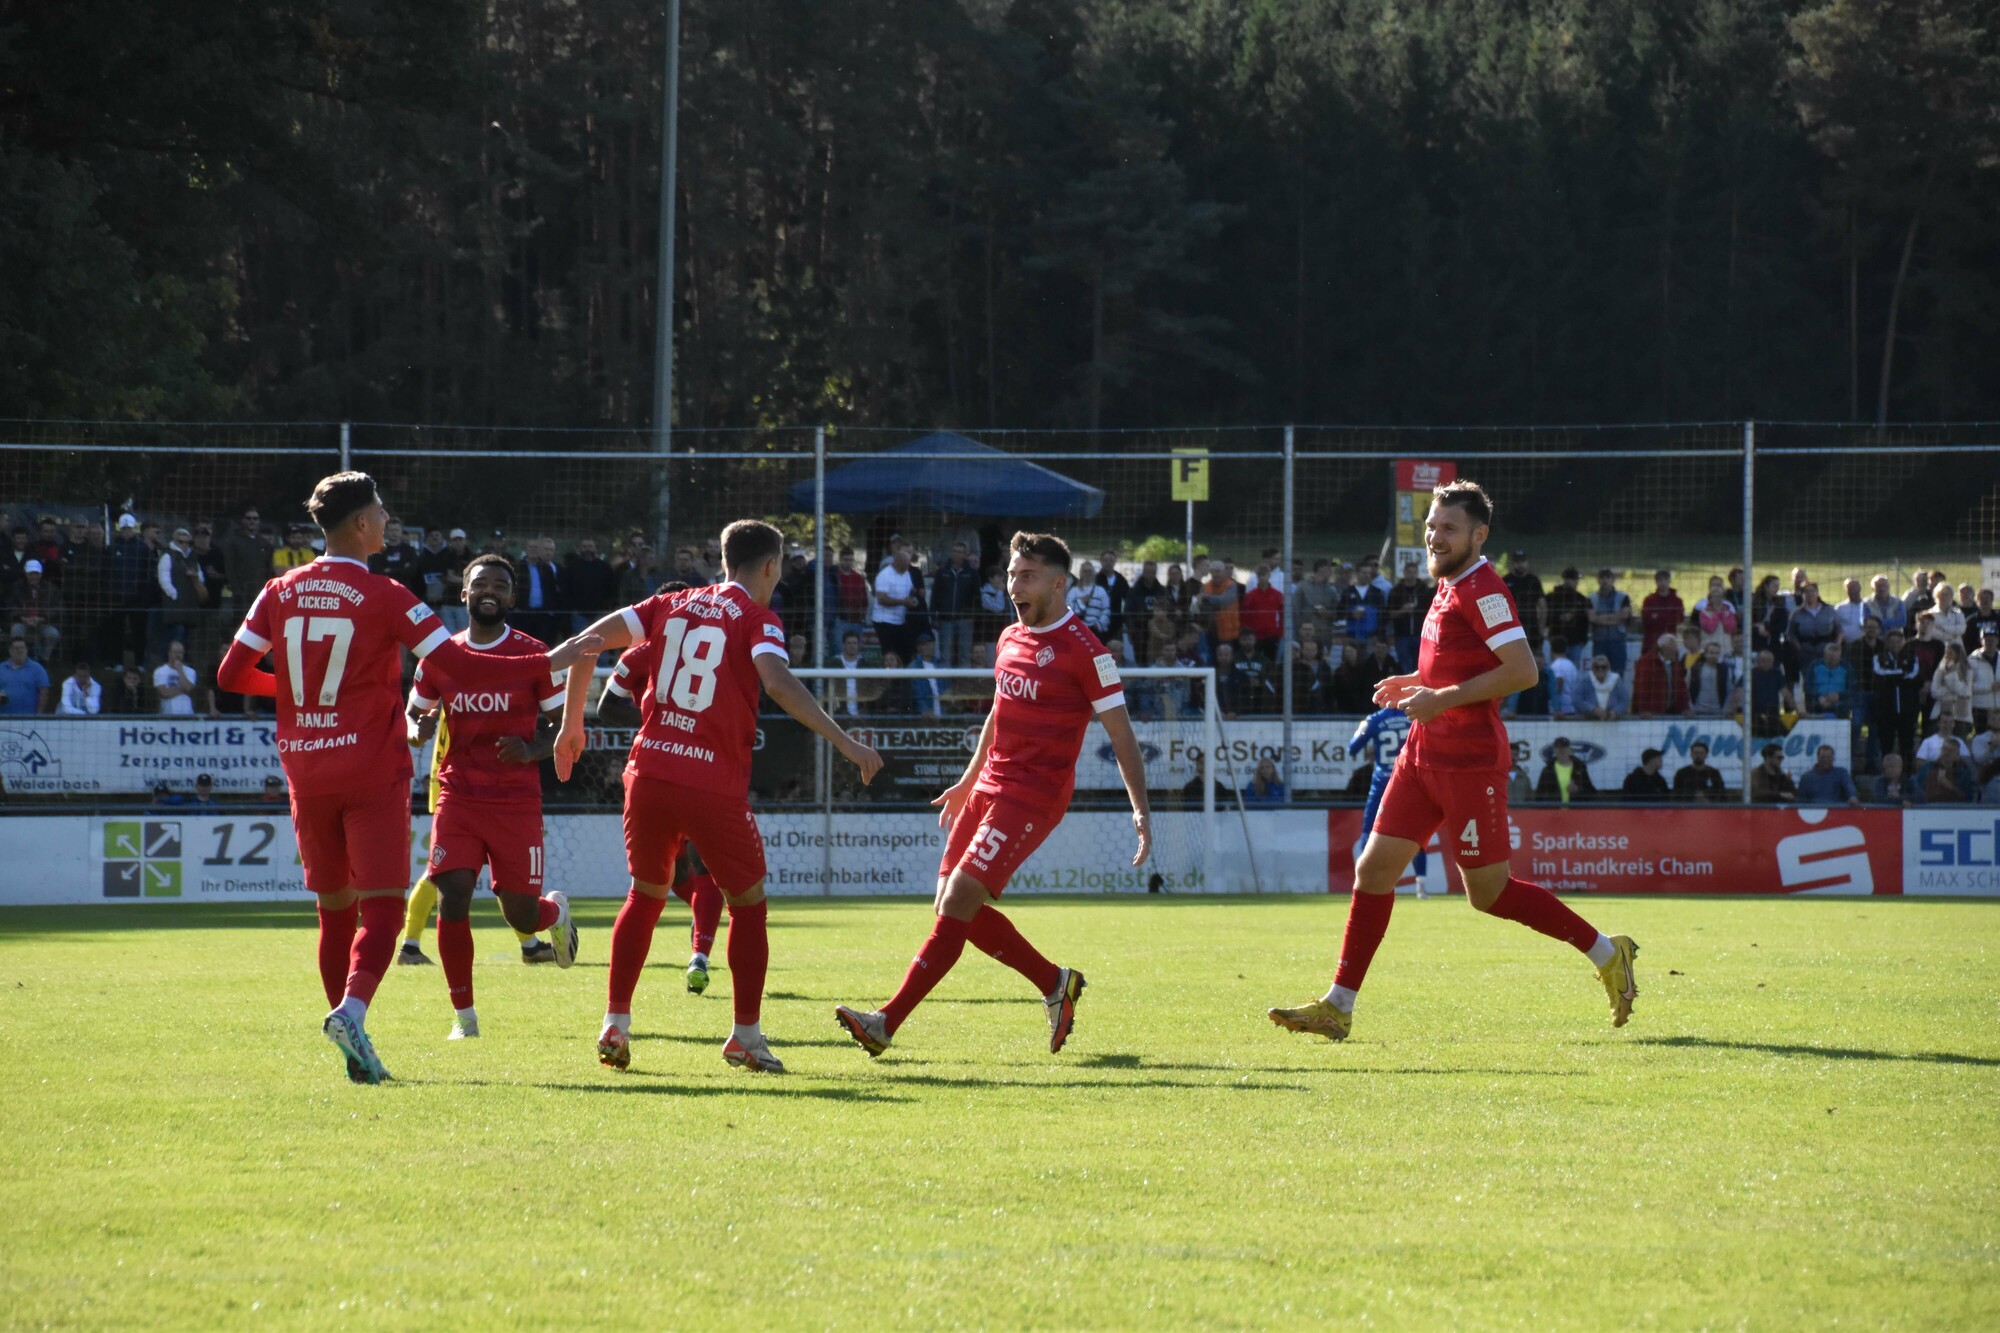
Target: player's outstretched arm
[[614, 631], [1132, 769], [240, 674], [954, 797], [1517, 671], [796, 699]]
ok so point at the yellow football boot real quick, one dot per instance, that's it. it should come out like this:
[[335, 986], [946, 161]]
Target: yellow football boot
[[1620, 982], [1315, 1016]]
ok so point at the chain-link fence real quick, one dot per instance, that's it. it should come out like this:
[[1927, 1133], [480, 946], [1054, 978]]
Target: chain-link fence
[[1287, 559]]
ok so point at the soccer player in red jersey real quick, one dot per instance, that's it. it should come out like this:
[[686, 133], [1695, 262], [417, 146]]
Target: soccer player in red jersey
[[1452, 772], [489, 806], [1051, 675], [335, 633], [689, 773], [693, 884]]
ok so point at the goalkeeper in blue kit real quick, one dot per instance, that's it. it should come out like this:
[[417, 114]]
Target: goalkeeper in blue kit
[[1382, 733]]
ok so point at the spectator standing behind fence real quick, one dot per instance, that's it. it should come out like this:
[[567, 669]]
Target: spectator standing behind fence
[[87, 584], [1769, 782], [1770, 696], [1610, 618], [398, 557], [1264, 609], [1850, 611], [895, 598], [1601, 693], [1984, 668], [1569, 617], [24, 685], [1947, 779], [1561, 676], [1898, 695], [246, 558], [1826, 783], [1312, 680], [46, 547], [82, 696], [1659, 688], [1718, 619], [1811, 628], [1828, 685], [1565, 778], [174, 682], [1885, 606], [297, 550], [1943, 622], [1118, 588], [592, 584], [180, 592], [129, 695], [1698, 781], [1646, 782], [1663, 611], [954, 603], [1222, 602], [14, 560], [34, 610], [1713, 690], [1091, 603], [1951, 688], [1983, 616]]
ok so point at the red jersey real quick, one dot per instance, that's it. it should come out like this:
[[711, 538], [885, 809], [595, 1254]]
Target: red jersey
[[698, 707], [1470, 618], [1048, 684], [499, 690], [336, 633]]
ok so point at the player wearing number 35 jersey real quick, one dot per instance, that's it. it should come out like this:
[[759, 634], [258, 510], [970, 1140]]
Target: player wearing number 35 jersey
[[1051, 677], [1452, 772], [335, 633], [689, 773]]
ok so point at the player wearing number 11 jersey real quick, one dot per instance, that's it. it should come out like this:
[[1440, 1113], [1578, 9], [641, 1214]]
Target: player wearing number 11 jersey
[[1453, 770], [335, 633], [689, 774]]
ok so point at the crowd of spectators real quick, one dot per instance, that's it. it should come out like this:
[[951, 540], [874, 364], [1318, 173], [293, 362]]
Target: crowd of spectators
[[134, 620]]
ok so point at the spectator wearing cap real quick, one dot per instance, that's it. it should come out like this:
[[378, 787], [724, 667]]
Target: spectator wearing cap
[[33, 610], [1698, 780], [82, 696], [924, 692], [24, 685], [1769, 782], [1646, 782], [1569, 618], [274, 791], [1826, 783], [174, 682], [1610, 618], [181, 590], [204, 791], [1565, 778], [247, 551], [1663, 611], [165, 797]]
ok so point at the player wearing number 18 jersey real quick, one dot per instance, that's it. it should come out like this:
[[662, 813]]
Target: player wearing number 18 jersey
[[1452, 772], [689, 773], [335, 633], [1051, 677]]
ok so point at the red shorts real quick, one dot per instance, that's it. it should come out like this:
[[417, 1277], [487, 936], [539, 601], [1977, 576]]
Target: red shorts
[[466, 835], [660, 816], [354, 840], [1470, 803], [992, 836]]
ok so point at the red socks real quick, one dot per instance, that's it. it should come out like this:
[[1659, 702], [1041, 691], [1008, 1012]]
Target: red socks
[[1367, 922], [1538, 909], [336, 940], [993, 934], [749, 957], [374, 945], [705, 898], [631, 941], [546, 914], [927, 969], [454, 940]]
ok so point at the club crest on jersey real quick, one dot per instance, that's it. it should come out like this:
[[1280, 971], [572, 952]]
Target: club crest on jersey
[[437, 854], [1046, 656]]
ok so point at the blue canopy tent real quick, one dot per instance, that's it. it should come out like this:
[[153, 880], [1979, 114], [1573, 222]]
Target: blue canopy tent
[[975, 479]]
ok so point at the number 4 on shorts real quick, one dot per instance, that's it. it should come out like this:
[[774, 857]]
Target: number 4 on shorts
[[1469, 835]]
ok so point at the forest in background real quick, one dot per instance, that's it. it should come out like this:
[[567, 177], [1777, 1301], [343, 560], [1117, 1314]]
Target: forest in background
[[1056, 213]]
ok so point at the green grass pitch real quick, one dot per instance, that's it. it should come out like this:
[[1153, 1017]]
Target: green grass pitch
[[1801, 1127]]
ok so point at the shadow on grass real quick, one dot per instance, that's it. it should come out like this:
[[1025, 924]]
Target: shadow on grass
[[784, 1043], [763, 1086], [1126, 1060], [1018, 1000], [1824, 1052]]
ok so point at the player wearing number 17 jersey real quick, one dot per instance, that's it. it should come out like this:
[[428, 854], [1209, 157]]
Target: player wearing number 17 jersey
[[1051, 676], [335, 633], [1452, 772], [689, 774]]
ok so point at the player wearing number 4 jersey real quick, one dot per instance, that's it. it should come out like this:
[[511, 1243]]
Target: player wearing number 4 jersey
[[1453, 772], [689, 774], [335, 633], [492, 716], [1051, 676]]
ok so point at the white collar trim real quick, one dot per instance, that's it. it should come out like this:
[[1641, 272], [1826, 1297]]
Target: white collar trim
[[1466, 572], [340, 560], [1052, 625]]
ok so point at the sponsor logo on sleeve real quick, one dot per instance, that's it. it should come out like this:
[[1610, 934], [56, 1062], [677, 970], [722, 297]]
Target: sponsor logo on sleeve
[[1107, 668], [418, 614], [1494, 610], [773, 632]]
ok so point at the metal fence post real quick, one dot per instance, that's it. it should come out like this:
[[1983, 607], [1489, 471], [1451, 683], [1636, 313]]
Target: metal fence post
[[822, 750], [1288, 630], [1749, 592], [346, 446]]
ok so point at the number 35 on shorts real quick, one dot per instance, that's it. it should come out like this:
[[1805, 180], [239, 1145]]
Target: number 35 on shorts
[[986, 844]]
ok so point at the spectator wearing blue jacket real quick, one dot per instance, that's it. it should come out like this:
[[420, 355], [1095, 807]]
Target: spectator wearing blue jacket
[[1826, 783]]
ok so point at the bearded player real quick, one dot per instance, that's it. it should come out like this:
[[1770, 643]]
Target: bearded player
[[693, 884], [1051, 676], [335, 633], [1453, 772], [496, 730], [689, 774]]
